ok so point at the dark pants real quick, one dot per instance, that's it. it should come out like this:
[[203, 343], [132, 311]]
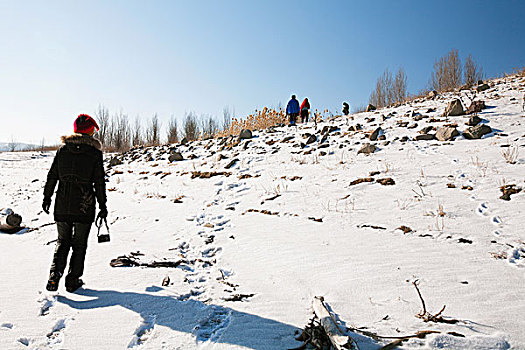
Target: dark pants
[[71, 236], [304, 115], [293, 118]]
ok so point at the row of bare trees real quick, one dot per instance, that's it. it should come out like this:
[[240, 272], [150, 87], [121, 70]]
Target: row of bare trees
[[448, 74], [389, 90], [118, 133]]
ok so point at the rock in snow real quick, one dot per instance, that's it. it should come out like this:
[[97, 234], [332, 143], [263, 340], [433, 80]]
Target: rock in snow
[[476, 132], [446, 133], [454, 108]]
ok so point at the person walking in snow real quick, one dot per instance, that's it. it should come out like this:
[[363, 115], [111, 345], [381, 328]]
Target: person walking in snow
[[305, 110], [79, 170], [292, 110]]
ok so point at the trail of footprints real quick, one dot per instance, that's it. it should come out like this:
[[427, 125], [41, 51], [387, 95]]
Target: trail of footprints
[[515, 251], [204, 254]]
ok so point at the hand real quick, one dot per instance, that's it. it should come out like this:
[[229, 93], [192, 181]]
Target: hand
[[46, 204], [103, 213]]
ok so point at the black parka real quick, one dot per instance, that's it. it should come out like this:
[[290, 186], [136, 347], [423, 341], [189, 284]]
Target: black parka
[[79, 170]]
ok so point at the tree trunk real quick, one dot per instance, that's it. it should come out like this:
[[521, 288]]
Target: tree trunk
[[10, 223], [338, 339]]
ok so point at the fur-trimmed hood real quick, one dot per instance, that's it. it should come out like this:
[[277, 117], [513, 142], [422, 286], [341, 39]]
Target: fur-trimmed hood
[[82, 139]]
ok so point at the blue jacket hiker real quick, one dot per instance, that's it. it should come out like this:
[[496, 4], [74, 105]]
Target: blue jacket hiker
[[292, 110]]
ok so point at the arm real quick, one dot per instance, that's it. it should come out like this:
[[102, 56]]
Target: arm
[[52, 179], [100, 182]]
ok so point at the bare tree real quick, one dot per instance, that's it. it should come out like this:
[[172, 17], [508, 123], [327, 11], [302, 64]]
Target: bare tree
[[472, 72], [12, 145], [173, 132], [400, 86], [190, 127], [227, 117], [137, 139], [153, 131], [102, 116], [389, 90], [447, 72], [120, 132], [209, 126]]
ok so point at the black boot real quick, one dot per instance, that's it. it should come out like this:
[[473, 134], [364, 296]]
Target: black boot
[[52, 283], [74, 285]]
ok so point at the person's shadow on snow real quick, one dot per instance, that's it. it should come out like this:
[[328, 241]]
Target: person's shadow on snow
[[213, 323]]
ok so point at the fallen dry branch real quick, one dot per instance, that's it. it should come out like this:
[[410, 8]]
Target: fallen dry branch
[[208, 174], [292, 178], [315, 219], [372, 226], [262, 211], [388, 181], [405, 229], [400, 340], [248, 176], [132, 261], [238, 297], [427, 316], [39, 227], [361, 180]]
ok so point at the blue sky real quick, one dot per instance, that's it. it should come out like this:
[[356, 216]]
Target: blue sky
[[62, 58]]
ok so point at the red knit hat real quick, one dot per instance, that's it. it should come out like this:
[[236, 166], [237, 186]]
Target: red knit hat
[[84, 124]]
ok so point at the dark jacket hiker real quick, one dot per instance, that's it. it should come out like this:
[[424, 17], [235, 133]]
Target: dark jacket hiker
[[79, 170], [305, 110], [292, 109]]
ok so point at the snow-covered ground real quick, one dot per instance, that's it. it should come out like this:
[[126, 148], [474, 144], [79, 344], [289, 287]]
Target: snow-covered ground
[[326, 237]]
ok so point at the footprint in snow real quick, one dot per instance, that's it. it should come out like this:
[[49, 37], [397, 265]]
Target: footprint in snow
[[232, 204], [25, 341], [232, 186], [222, 222], [192, 293], [211, 327], [516, 256], [482, 209], [211, 252], [496, 220], [6, 325], [143, 331], [244, 189], [56, 336], [47, 304]]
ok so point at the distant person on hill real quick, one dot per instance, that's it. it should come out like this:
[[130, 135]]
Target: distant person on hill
[[79, 170], [305, 110], [346, 108], [292, 110]]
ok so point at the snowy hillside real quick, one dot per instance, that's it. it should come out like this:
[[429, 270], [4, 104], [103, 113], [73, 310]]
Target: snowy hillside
[[254, 229]]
